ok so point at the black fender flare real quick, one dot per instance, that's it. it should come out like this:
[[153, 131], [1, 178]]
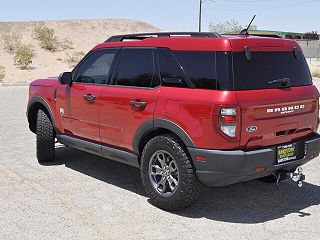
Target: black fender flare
[[38, 99], [161, 123]]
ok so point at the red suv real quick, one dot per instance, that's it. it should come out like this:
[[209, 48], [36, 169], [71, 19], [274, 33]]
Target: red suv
[[188, 109]]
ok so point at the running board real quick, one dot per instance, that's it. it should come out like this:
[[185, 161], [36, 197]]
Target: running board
[[100, 150]]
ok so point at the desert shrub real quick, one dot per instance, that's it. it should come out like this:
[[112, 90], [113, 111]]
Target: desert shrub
[[2, 73], [11, 41], [316, 73], [24, 56], [66, 44], [74, 59], [48, 40]]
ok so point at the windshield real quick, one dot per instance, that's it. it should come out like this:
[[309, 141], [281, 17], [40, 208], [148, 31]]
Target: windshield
[[270, 70]]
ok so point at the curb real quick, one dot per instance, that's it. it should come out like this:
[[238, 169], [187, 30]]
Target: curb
[[13, 84]]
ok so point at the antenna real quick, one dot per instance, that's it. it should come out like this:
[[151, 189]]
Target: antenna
[[245, 31]]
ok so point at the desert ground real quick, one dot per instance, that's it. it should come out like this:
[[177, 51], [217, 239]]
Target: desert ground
[[81, 196], [84, 34]]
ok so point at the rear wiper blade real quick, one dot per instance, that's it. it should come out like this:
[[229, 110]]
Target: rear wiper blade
[[283, 81]]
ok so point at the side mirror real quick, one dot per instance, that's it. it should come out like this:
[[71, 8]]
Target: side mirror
[[65, 78]]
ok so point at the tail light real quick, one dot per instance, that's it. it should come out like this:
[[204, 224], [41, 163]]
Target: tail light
[[229, 122]]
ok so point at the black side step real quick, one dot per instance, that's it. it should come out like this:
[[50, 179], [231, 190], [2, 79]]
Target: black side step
[[100, 150]]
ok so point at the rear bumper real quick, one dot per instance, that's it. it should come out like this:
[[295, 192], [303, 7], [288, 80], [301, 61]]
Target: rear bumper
[[223, 168]]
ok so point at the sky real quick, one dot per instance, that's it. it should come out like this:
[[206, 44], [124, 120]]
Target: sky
[[173, 15]]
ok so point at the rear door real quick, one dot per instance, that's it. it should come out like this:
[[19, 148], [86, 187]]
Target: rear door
[[274, 111], [79, 103], [131, 98]]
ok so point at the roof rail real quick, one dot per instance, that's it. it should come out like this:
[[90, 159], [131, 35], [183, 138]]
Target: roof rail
[[141, 36]]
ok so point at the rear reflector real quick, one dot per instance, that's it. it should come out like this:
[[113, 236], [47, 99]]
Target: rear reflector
[[260, 169], [201, 158]]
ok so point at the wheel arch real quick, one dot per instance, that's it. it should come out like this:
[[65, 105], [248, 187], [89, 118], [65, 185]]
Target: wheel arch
[[156, 127], [34, 105]]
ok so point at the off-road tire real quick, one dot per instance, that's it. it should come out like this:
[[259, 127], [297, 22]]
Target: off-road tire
[[189, 187], [45, 138]]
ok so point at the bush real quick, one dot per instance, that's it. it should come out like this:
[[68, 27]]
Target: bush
[[24, 56], [66, 44], [11, 41], [74, 59], [47, 38], [2, 73], [316, 73]]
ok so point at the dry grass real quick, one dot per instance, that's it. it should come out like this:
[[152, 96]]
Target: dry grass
[[74, 59], [24, 56], [47, 38], [2, 73], [11, 41], [316, 73], [49, 41]]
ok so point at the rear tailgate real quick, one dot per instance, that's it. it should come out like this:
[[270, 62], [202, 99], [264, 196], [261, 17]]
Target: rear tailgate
[[275, 116]]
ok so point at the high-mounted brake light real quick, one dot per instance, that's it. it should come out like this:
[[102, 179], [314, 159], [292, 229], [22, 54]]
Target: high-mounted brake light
[[228, 123]]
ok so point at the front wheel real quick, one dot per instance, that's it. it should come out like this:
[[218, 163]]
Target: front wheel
[[45, 138], [168, 175]]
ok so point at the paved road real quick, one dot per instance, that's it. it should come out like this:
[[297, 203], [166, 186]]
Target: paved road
[[81, 196]]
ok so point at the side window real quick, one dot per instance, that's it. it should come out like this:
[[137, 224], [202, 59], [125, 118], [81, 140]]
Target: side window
[[171, 73], [95, 68], [136, 68], [200, 68]]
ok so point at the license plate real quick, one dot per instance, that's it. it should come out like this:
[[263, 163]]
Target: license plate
[[286, 153]]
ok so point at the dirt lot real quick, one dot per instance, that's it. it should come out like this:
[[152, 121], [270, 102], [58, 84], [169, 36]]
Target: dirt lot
[[81, 196]]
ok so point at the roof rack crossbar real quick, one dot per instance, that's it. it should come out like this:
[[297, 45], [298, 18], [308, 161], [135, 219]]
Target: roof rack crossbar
[[141, 36]]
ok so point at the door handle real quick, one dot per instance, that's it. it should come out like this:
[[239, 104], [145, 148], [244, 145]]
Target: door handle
[[89, 97], [137, 106]]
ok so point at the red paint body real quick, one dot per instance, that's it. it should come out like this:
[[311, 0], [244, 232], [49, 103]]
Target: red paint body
[[112, 121]]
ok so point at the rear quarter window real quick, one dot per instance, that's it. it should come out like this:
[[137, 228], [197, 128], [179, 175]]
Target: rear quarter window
[[200, 67], [195, 69]]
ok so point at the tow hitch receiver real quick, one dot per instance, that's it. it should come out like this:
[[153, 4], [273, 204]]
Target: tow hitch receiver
[[297, 177]]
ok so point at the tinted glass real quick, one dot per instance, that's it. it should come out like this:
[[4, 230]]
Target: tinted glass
[[136, 68], [96, 67], [268, 66], [170, 70], [199, 67]]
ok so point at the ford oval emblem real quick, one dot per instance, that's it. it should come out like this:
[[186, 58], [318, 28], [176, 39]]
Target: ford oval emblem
[[251, 129]]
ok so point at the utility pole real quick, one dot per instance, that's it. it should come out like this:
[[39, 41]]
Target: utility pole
[[200, 14]]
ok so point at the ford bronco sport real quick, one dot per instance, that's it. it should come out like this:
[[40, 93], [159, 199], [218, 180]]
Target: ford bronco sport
[[188, 109]]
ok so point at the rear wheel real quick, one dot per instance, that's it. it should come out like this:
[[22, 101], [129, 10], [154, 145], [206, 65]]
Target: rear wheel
[[168, 175], [45, 138]]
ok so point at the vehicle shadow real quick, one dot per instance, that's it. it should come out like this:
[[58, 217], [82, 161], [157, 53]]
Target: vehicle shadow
[[250, 202]]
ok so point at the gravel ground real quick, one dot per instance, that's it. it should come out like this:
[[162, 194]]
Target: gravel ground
[[81, 196]]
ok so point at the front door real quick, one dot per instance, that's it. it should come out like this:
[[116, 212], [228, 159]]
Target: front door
[[79, 103], [131, 98]]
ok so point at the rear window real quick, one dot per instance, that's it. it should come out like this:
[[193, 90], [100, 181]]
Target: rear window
[[264, 67]]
